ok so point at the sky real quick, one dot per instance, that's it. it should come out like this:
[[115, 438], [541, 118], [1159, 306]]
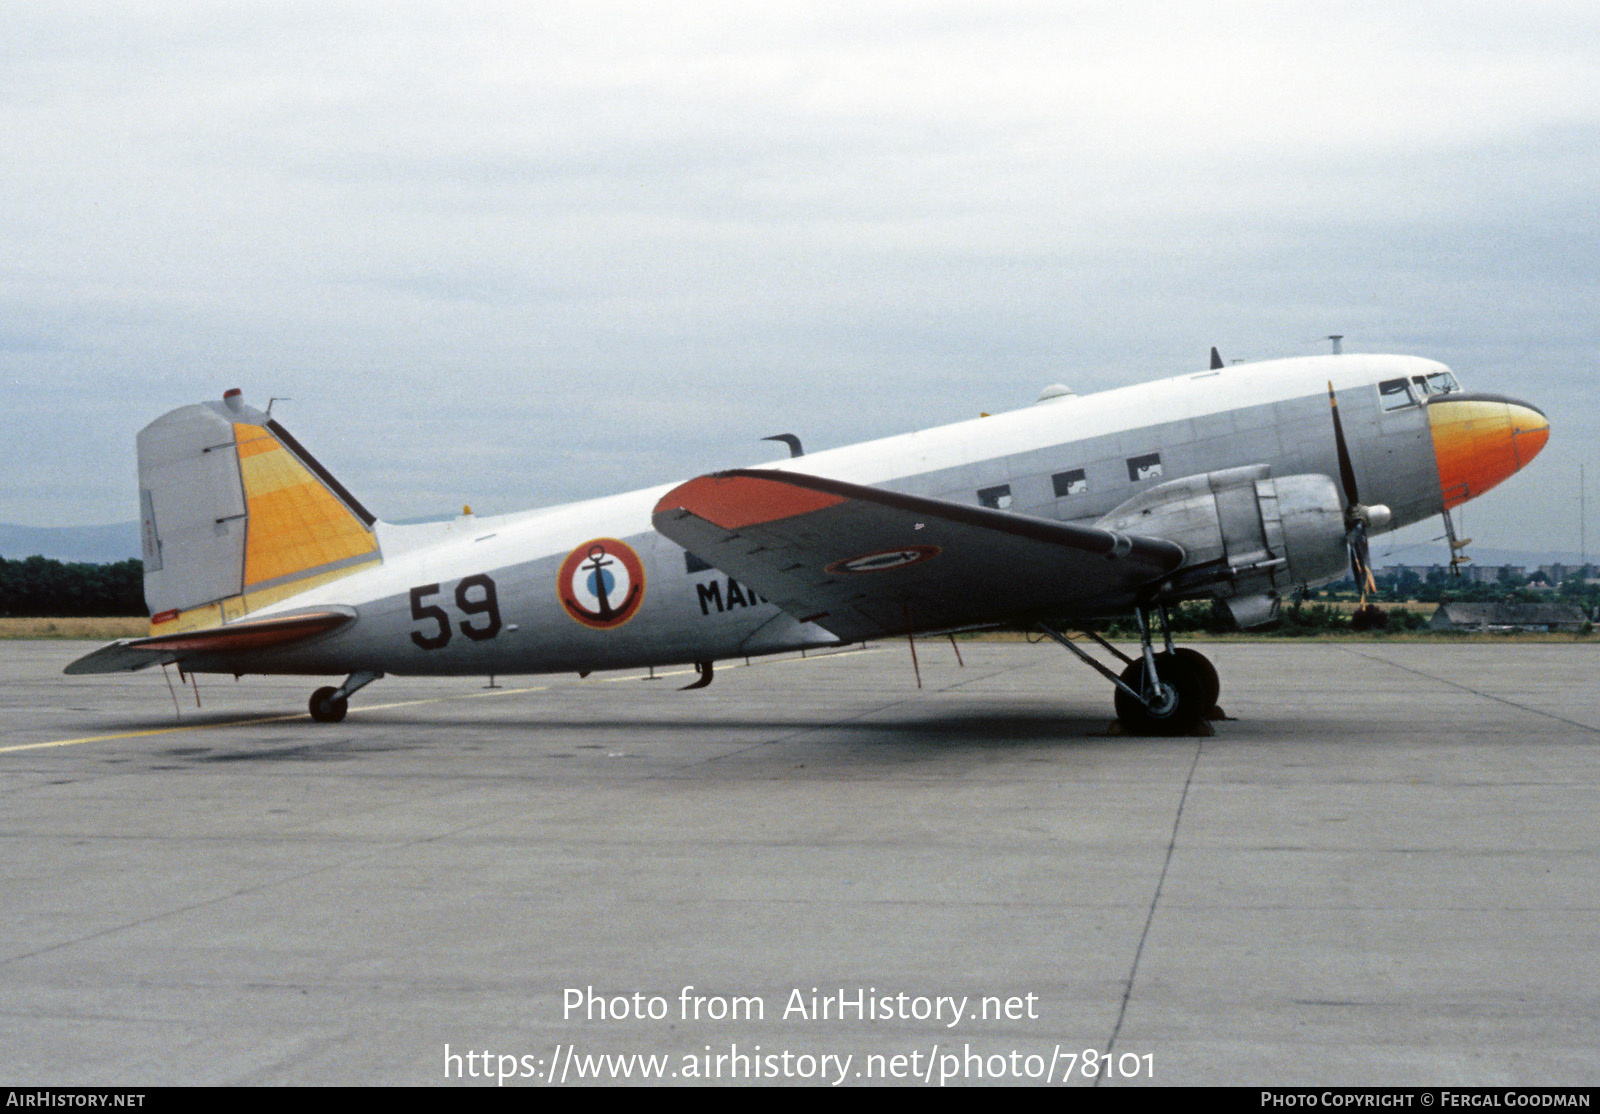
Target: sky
[[513, 254]]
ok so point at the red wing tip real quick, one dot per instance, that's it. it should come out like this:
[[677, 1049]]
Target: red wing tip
[[734, 502]]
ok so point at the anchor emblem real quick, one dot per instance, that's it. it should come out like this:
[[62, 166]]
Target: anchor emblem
[[601, 583]]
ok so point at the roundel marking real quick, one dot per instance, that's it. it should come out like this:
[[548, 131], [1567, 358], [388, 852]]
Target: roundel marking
[[601, 583], [884, 559]]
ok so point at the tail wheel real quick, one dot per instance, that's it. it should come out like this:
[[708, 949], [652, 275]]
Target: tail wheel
[[327, 706], [1181, 697]]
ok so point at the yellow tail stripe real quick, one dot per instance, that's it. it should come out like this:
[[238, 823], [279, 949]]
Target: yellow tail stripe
[[297, 526]]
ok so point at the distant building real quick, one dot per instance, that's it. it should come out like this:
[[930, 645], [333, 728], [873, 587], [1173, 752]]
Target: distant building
[[1555, 575], [1421, 572], [1559, 574], [1508, 616], [1468, 574]]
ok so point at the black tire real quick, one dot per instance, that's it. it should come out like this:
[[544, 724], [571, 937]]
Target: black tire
[[1194, 659], [1377, 618], [327, 706], [1186, 692]]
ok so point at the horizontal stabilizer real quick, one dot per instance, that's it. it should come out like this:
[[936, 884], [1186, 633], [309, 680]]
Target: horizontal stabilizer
[[129, 654], [862, 562]]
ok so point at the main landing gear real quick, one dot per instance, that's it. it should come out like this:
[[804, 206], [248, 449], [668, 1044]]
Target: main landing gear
[[1166, 693], [329, 704]]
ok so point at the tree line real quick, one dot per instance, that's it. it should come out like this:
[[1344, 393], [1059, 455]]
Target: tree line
[[44, 588], [1439, 587], [40, 587]]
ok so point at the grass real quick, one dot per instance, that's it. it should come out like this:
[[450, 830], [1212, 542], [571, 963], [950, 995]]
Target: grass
[[92, 630]]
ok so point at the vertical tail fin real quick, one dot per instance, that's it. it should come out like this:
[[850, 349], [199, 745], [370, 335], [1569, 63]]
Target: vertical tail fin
[[235, 515]]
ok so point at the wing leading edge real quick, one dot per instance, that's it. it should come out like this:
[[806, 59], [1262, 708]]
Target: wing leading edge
[[862, 562]]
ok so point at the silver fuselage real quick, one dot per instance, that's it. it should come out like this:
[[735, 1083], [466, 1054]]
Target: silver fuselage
[[1071, 458]]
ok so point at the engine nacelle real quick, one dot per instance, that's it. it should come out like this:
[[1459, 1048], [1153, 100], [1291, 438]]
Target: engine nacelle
[[1249, 537]]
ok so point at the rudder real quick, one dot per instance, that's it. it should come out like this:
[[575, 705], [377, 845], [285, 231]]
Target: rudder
[[235, 514]]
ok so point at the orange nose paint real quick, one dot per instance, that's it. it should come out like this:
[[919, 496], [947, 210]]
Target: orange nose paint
[[1479, 440]]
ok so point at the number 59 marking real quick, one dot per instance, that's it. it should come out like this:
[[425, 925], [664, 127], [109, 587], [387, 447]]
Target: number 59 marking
[[484, 603]]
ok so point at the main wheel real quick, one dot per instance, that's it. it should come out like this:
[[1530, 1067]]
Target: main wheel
[[1180, 701], [1194, 659], [327, 706], [1369, 617]]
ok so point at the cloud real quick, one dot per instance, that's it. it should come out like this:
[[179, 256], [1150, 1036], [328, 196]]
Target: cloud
[[565, 230]]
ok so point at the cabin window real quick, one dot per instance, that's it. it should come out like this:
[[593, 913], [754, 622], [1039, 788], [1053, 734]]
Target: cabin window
[[1070, 483], [997, 497], [1146, 467], [1395, 394]]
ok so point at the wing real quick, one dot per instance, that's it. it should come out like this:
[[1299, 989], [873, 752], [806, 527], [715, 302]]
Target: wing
[[245, 636], [863, 562]]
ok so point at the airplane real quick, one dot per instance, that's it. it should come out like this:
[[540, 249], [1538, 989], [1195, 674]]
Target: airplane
[[1239, 483]]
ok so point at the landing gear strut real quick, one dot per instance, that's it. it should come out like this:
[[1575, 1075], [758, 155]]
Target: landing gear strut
[[1167, 693], [329, 704]]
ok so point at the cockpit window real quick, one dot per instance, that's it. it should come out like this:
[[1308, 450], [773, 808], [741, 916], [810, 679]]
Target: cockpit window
[[1439, 383], [1395, 394]]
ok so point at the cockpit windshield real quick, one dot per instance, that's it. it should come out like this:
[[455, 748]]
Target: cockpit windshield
[[1439, 383]]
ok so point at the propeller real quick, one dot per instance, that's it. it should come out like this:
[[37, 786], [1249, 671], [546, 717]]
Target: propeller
[[1359, 518]]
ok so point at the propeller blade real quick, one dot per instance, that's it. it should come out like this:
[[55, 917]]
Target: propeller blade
[[1361, 559], [1347, 471]]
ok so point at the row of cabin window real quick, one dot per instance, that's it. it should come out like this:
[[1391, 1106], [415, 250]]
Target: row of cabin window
[[1074, 482]]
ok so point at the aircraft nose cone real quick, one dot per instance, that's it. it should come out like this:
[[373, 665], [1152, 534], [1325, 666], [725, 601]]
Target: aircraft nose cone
[[1479, 440]]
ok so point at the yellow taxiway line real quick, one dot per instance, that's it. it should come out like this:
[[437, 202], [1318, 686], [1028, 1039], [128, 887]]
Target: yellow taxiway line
[[176, 728]]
